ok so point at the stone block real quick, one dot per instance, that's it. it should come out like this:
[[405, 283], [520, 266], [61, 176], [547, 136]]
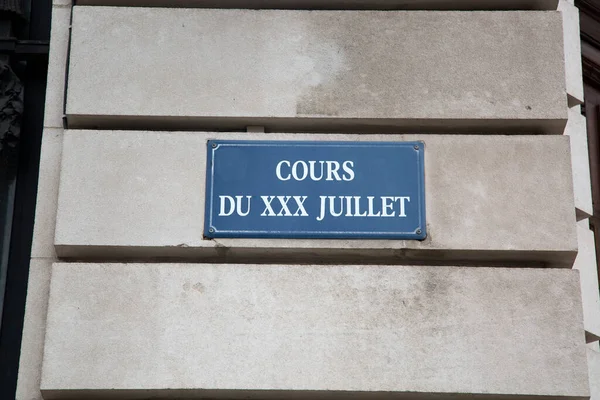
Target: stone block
[[141, 195], [340, 4], [316, 71], [34, 329], [279, 331], [572, 47], [132, 190], [586, 264], [577, 131], [594, 372], [57, 65], [42, 244]]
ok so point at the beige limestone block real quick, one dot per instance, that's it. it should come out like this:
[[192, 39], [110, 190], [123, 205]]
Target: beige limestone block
[[341, 4], [343, 71], [57, 64], [273, 331], [594, 372], [572, 46], [586, 264], [47, 194], [580, 163], [34, 330], [489, 199]]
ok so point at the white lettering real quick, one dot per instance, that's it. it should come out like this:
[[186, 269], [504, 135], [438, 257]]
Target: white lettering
[[348, 206], [312, 170], [402, 200], [239, 205], [332, 170], [322, 214], [268, 211], [300, 170], [371, 214], [332, 206], [222, 212], [347, 167], [357, 208], [385, 205], [304, 170], [278, 171], [300, 211], [283, 200]]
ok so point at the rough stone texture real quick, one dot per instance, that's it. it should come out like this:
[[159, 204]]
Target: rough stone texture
[[586, 264], [165, 68], [57, 65], [577, 130], [132, 189], [34, 329], [594, 373], [341, 4], [218, 328], [572, 46], [141, 194]]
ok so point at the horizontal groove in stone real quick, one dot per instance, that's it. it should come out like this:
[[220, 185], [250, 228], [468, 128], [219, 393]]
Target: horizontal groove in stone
[[326, 256], [195, 394], [319, 125], [338, 4]]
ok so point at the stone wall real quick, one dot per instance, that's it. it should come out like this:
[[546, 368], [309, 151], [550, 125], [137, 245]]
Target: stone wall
[[126, 298]]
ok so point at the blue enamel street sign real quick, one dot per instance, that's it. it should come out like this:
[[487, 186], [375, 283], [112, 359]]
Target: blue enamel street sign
[[352, 190]]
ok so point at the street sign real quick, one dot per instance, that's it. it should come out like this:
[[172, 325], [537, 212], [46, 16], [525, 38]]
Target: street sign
[[301, 189]]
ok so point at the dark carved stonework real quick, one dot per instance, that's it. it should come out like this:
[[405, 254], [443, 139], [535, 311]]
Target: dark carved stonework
[[11, 111]]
